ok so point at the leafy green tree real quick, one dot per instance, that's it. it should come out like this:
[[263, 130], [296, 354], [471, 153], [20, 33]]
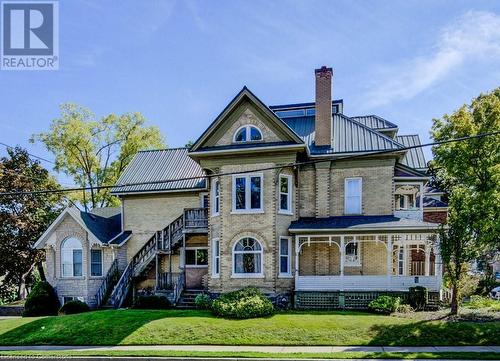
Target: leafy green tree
[[94, 151], [23, 219], [469, 171]]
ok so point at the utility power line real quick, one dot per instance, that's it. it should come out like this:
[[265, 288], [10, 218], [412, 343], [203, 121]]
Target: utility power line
[[31, 155], [295, 164]]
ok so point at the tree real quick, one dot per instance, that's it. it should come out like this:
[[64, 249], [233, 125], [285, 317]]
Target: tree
[[23, 219], [469, 171], [93, 151]]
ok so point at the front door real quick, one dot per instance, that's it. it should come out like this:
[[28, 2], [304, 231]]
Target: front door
[[196, 261]]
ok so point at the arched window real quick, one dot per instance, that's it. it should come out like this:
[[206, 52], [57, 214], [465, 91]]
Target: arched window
[[71, 258], [247, 257], [248, 133]]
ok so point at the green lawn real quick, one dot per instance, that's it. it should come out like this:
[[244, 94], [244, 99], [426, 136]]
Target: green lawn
[[137, 327]]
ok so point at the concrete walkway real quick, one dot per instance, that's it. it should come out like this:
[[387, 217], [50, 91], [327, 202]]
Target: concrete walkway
[[267, 349]]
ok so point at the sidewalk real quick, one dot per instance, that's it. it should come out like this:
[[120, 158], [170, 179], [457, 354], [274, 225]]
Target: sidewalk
[[267, 349]]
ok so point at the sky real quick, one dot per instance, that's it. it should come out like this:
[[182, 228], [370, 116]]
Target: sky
[[180, 62]]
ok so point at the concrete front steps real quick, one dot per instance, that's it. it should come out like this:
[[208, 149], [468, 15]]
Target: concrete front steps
[[186, 301]]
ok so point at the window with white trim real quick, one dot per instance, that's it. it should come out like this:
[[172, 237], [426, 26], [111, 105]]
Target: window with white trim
[[285, 192], [216, 198], [216, 257], [247, 257], [352, 257], [72, 258], [96, 262], [407, 197], [196, 257], [247, 133], [247, 193], [352, 193], [285, 256], [401, 261]]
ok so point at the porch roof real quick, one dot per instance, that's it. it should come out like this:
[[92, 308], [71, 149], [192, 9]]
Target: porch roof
[[388, 223]]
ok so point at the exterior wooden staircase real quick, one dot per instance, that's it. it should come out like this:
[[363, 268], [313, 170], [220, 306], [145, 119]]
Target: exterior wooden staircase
[[166, 241]]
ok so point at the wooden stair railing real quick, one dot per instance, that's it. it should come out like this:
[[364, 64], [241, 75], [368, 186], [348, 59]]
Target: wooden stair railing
[[165, 240], [108, 283]]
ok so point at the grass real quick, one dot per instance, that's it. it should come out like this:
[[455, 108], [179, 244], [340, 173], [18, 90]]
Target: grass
[[483, 303], [191, 327], [298, 355]]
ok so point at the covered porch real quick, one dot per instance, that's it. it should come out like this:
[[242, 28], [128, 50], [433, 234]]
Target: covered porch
[[367, 262]]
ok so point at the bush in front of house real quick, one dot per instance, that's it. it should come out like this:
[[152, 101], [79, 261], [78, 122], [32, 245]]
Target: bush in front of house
[[42, 301], [246, 303], [73, 307], [418, 297], [203, 301], [151, 303], [385, 304]]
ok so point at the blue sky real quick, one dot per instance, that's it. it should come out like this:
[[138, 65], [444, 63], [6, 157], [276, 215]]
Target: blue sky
[[180, 62]]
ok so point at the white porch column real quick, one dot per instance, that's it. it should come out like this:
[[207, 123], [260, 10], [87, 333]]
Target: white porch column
[[297, 250], [342, 259], [427, 259], [389, 261], [405, 258]]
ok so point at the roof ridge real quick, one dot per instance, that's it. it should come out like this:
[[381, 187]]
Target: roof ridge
[[379, 117], [160, 149]]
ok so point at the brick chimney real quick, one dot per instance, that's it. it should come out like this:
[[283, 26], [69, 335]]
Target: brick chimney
[[323, 122]]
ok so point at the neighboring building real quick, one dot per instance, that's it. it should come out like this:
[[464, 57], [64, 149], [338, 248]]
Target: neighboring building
[[309, 205]]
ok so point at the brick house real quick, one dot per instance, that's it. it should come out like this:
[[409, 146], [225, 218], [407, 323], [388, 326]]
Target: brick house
[[313, 207]]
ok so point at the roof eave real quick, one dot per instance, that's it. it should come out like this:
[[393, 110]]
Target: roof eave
[[206, 153], [367, 229]]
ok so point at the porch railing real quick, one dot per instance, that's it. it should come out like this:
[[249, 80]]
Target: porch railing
[[196, 217], [167, 280]]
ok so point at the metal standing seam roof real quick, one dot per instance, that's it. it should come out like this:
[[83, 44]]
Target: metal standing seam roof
[[104, 228], [414, 158], [374, 122], [159, 165], [349, 135]]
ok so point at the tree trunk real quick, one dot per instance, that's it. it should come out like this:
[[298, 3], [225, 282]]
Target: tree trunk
[[22, 292], [454, 300], [41, 272]]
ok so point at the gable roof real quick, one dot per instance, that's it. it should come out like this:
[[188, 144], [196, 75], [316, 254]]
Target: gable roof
[[374, 122], [244, 94], [349, 136], [154, 166], [414, 157], [101, 229]]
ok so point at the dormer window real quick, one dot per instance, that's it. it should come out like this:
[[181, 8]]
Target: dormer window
[[248, 133]]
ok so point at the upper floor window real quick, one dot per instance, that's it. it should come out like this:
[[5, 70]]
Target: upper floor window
[[72, 258], [285, 190], [96, 262], [352, 192], [247, 257], [216, 197], [247, 193], [407, 197], [196, 257], [248, 133]]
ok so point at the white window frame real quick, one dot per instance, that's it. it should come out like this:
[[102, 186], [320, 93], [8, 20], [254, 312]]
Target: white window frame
[[102, 262], [215, 258], [287, 274], [215, 198], [247, 128], [72, 251], [289, 179], [195, 249], [248, 193], [346, 180], [234, 274], [202, 199], [356, 262], [420, 195]]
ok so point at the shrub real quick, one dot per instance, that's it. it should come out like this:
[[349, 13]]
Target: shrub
[[151, 302], [479, 302], [246, 303], [203, 301], [74, 307], [404, 308], [42, 301], [385, 304], [418, 297]]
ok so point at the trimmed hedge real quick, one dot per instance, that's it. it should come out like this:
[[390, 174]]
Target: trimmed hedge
[[246, 303], [151, 303], [385, 304], [73, 307], [42, 301]]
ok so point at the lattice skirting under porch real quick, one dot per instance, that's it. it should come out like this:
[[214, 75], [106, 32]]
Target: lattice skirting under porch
[[316, 300]]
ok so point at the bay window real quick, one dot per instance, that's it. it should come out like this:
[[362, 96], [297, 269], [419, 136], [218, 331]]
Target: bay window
[[247, 258], [247, 193]]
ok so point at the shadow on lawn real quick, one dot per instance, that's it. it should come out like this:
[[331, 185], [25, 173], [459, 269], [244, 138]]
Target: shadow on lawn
[[429, 333], [92, 328]]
